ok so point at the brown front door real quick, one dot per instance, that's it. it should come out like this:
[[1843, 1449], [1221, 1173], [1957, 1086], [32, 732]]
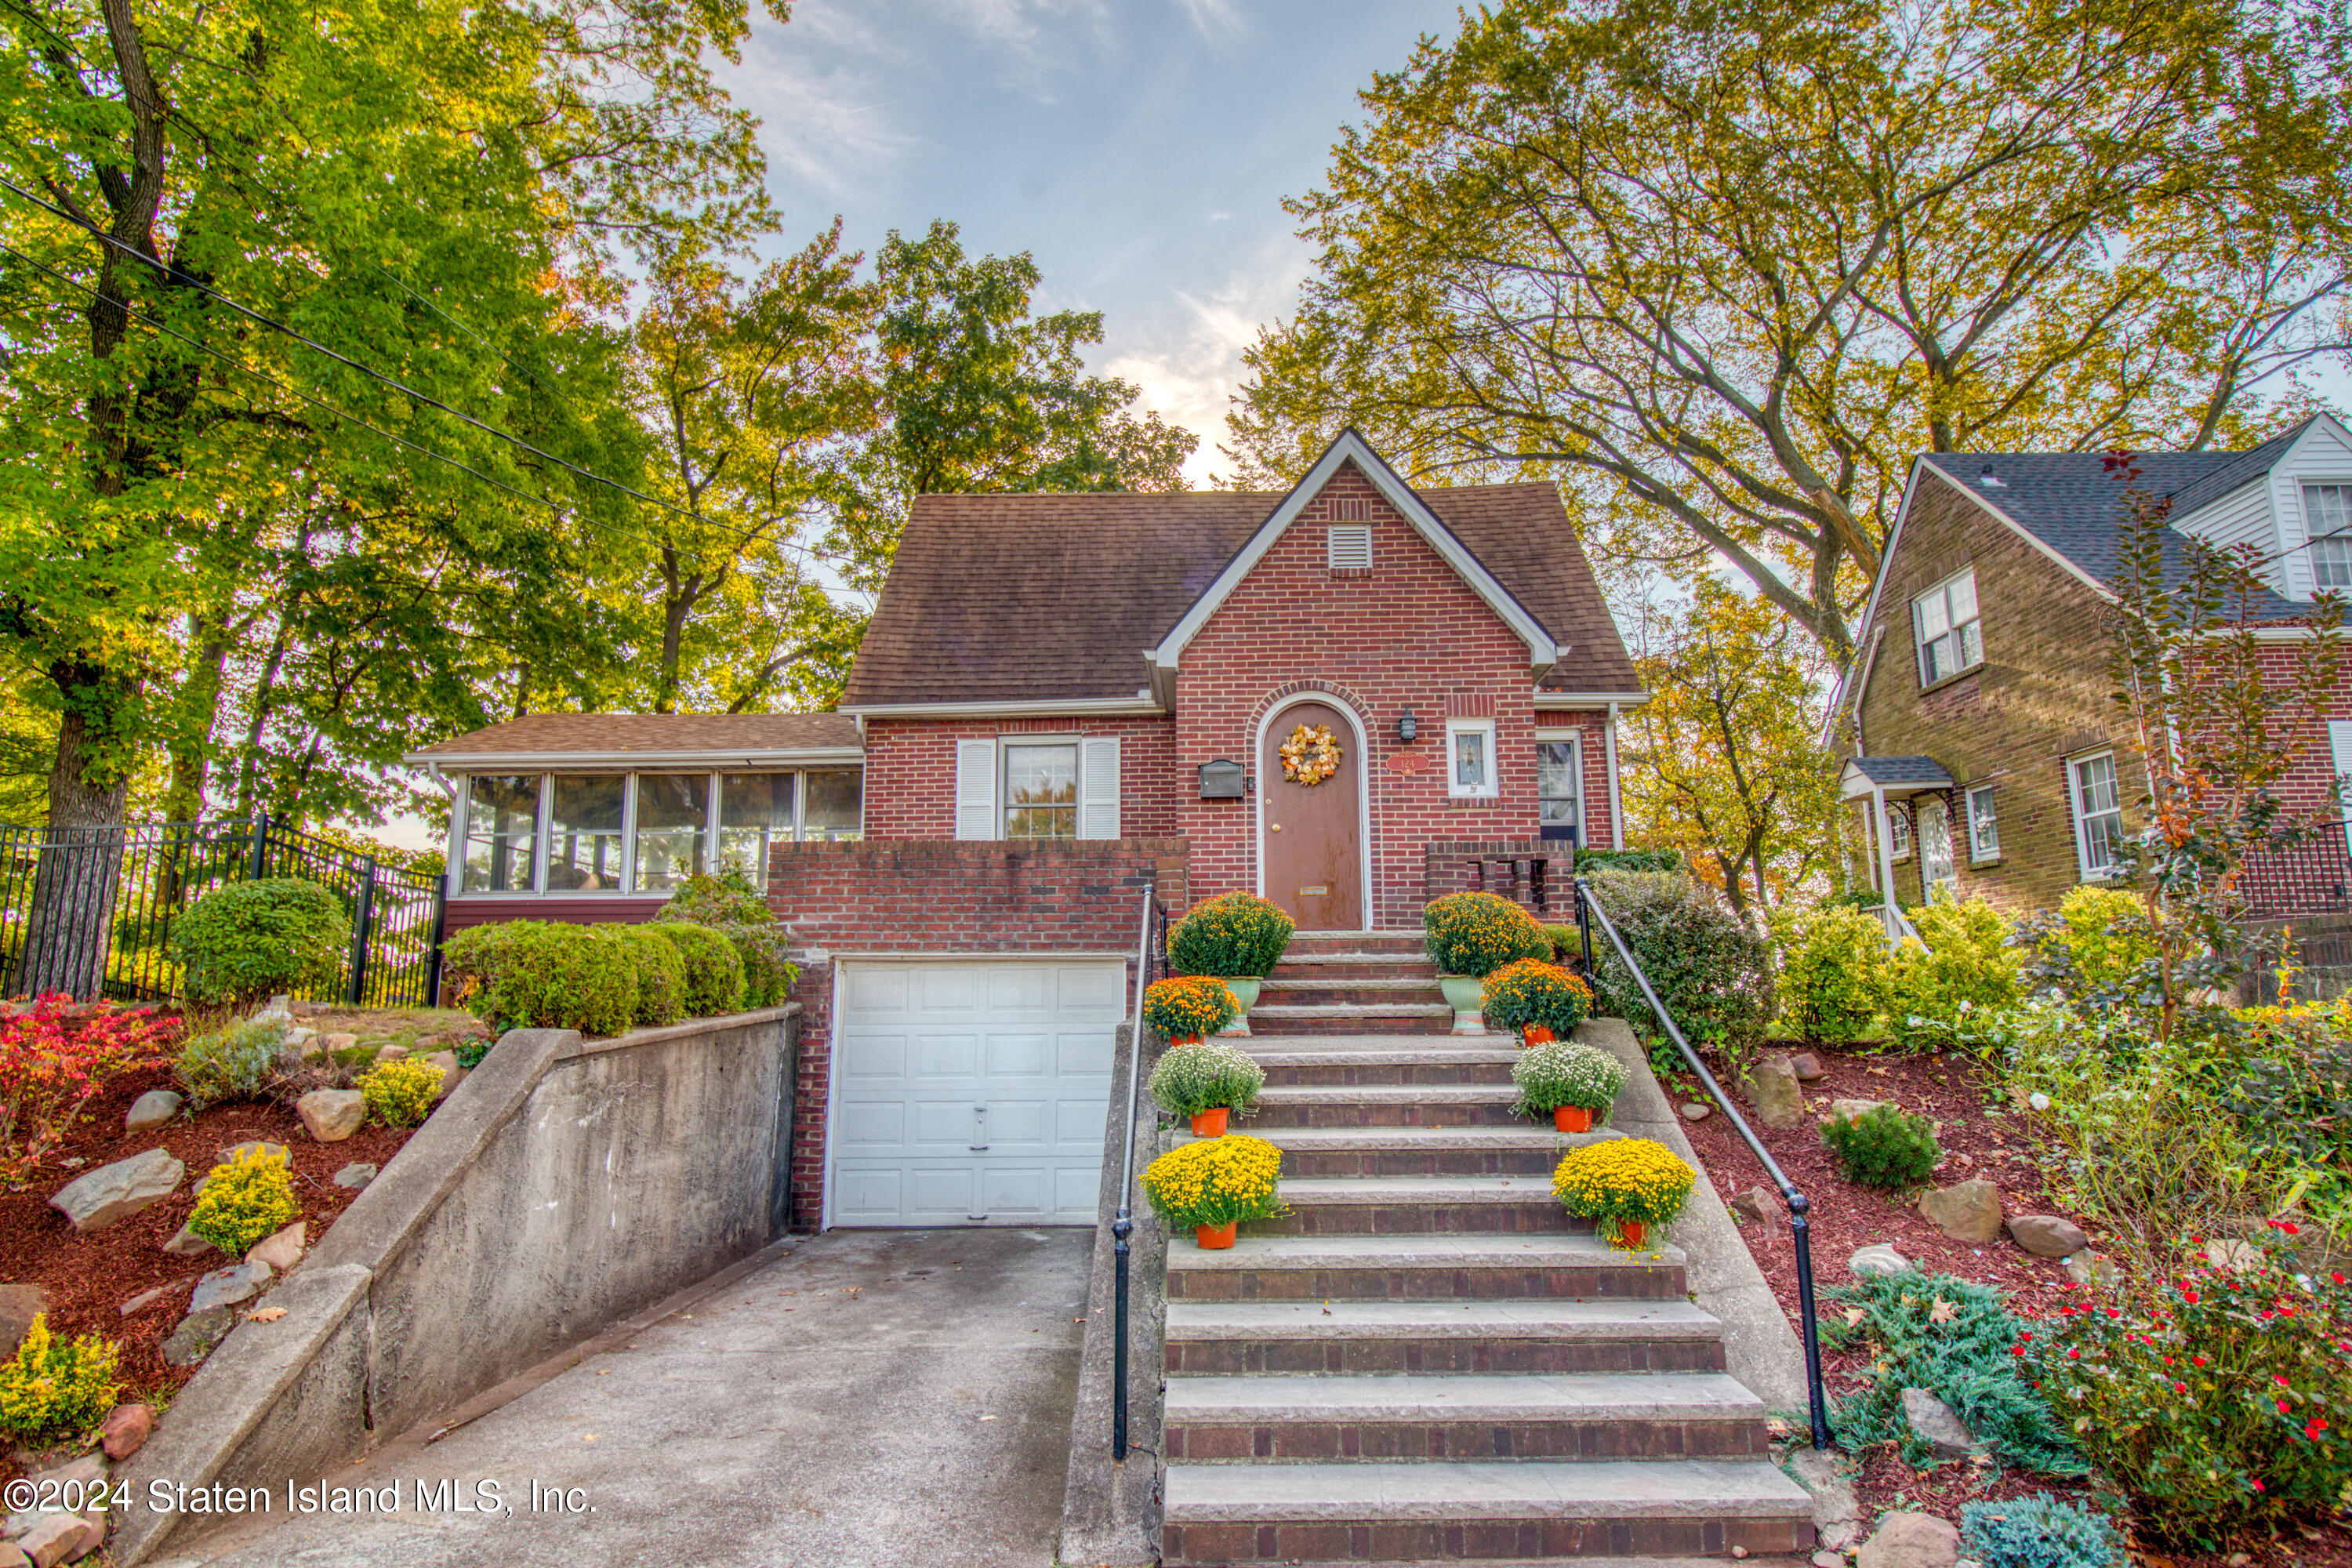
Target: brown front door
[[1314, 833]]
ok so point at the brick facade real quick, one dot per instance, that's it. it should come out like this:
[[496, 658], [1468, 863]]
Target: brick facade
[[936, 896], [910, 770]]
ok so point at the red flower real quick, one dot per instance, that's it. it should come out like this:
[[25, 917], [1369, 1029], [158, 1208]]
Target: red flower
[[2189, 1296], [2260, 1488]]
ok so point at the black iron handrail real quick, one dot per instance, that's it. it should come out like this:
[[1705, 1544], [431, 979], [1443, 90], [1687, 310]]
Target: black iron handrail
[[1123, 1226], [1588, 910]]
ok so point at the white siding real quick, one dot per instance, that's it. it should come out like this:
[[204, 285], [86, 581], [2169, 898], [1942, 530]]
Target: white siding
[[2242, 517], [2322, 457]]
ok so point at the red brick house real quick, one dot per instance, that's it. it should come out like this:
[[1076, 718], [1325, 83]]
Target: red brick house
[[1985, 755], [1062, 700]]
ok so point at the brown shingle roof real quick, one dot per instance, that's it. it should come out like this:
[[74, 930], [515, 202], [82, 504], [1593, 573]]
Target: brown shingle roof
[[1046, 597], [627, 735]]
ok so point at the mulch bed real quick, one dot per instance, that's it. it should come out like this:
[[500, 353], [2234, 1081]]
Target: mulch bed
[[1980, 1137]]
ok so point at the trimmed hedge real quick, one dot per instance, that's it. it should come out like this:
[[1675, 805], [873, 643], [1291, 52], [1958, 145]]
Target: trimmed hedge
[[540, 974], [1629, 860], [661, 973], [248, 942], [714, 969], [731, 905]]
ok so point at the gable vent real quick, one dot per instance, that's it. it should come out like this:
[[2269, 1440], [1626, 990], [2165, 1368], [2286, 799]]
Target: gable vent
[[1349, 547]]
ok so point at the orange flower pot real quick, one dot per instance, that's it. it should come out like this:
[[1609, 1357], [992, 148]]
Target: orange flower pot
[[1211, 1123], [1633, 1233], [1215, 1237], [1539, 1034], [1185, 1040], [1572, 1118]]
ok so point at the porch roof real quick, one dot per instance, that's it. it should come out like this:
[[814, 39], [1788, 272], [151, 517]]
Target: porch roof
[[1897, 776]]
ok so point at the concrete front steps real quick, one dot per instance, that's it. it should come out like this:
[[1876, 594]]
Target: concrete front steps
[[1427, 1360], [1352, 982]]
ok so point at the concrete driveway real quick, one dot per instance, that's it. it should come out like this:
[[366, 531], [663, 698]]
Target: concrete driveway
[[891, 1398]]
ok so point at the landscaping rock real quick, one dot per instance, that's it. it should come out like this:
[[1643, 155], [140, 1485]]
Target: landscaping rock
[[153, 1109], [126, 1426], [198, 1335], [145, 1300], [10, 1557], [330, 1044], [1808, 1067], [355, 1175], [99, 1197], [2092, 1271], [1695, 1111], [57, 1537], [331, 1115], [19, 1305], [392, 1054], [228, 1287], [1826, 1558], [452, 1075], [87, 1470], [1936, 1424], [1911, 1541], [1757, 1202], [1879, 1257], [1847, 1109], [1773, 1090], [1968, 1212], [283, 1250], [186, 1243], [2047, 1235]]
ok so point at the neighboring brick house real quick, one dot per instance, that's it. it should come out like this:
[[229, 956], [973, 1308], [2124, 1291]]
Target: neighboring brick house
[[1064, 700], [1986, 754]]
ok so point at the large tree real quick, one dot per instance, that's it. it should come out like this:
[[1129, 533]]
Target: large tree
[[1726, 271]]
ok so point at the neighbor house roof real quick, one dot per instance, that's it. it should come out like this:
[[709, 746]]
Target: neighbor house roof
[[1057, 598], [1897, 773], [715, 738]]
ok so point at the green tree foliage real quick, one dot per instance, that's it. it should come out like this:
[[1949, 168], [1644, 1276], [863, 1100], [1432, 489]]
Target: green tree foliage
[[1725, 270]]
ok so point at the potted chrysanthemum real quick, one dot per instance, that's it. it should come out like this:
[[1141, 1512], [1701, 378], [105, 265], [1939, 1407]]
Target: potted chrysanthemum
[[1207, 1082], [1238, 937], [1536, 1000], [1471, 935], [1214, 1185], [1626, 1184], [1572, 1084], [1188, 1007]]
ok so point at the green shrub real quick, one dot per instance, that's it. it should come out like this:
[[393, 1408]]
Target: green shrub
[[1201, 1076], [2292, 1102], [248, 941], [1565, 940], [731, 905], [1561, 1072], [1233, 934], [1529, 991], [245, 1201], [1941, 994], [401, 1092], [2039, 1532], [661, 974], [1714, 973], [1886, 1148], [1834, 972], [1589, 860], [1476, 934], [714, 969], [2100, 943], [53, 1393], [1856, 898], [540, 974], [2223, 1406], [231, 1064], [1967, 1359]]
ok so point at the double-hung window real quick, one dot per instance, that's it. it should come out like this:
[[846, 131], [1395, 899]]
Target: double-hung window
[[1559, 792], [1470, 759], [1041, 792], [501, 833], [2098, 816], [1898, 831], [1945, 621], [1984, 827], [1015, 787], [2328, 523]]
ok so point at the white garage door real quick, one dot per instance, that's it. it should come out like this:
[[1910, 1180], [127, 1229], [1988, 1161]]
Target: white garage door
[[972, 1092]]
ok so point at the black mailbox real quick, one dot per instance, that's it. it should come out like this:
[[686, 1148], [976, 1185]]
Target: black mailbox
[[1222, 779]]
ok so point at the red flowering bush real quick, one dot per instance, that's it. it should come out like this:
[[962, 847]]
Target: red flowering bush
[[2225, 1407], [55, 1059]]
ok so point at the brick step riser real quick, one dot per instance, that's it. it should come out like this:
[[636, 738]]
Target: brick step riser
[[1472, 1541], [1628, 1282], [1396, 1075], [1534, 1163], [1338, 992], [1449, 1357], [1538, 1216], [1306, 1440], [1498, 1113], [1348, 1023], [1353, 969]]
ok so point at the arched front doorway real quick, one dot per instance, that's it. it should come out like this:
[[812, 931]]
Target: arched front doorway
[[1311, 837]]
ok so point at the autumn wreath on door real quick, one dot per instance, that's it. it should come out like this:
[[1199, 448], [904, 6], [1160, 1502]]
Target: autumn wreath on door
[[1310, 755]]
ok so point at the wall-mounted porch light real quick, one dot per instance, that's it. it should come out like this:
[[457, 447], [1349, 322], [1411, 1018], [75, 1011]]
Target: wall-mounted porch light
[[1408, 730]]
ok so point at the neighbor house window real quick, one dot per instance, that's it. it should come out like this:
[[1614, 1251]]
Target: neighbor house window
[[2098, 816], [1935, 865], [1898, 831], [501, 830], [2328, 523], [1944, 620], [834, 805], [1984, 827], [755, 810], [1559, 792], [586, 815], [1041, 790], [673, 817], [1470, 758]]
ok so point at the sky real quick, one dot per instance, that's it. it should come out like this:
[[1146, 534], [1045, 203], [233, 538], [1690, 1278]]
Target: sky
[[1140, 149]]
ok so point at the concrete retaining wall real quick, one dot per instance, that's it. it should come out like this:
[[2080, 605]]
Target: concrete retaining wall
[[564, 1185]]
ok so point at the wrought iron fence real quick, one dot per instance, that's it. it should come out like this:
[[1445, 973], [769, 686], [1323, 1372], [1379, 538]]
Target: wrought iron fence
[[89, 910], [2313, 877]]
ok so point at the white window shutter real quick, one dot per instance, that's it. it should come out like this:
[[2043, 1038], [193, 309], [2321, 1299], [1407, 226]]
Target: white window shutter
[[975, 796], [1099, 787]]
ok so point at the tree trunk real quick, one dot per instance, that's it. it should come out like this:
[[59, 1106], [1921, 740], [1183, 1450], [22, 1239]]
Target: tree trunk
[[67, 926]]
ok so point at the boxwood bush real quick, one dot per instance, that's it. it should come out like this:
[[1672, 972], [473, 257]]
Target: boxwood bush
[[538, 974], [732, 906], [714, 969], [1711, 970], [245, 942], [661, 973]]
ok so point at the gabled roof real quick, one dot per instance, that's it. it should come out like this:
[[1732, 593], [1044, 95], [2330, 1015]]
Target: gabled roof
[[1063, 599], [1897, 776], [715, 738]]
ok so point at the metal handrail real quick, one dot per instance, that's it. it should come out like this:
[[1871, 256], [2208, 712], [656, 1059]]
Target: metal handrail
[[1122, 1226], [1799, 1226]]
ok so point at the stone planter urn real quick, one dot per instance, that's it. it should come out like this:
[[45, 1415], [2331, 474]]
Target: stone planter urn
[[1245, 988], [1465, 993]]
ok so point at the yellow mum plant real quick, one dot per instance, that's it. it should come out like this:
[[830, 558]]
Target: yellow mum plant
[[1477, 934], [1233, 935], [1215, 1181], [1623, 1181], [1187, 1005]]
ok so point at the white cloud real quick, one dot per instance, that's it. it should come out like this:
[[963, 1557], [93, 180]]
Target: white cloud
[[1218, 21], [826, 97]]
